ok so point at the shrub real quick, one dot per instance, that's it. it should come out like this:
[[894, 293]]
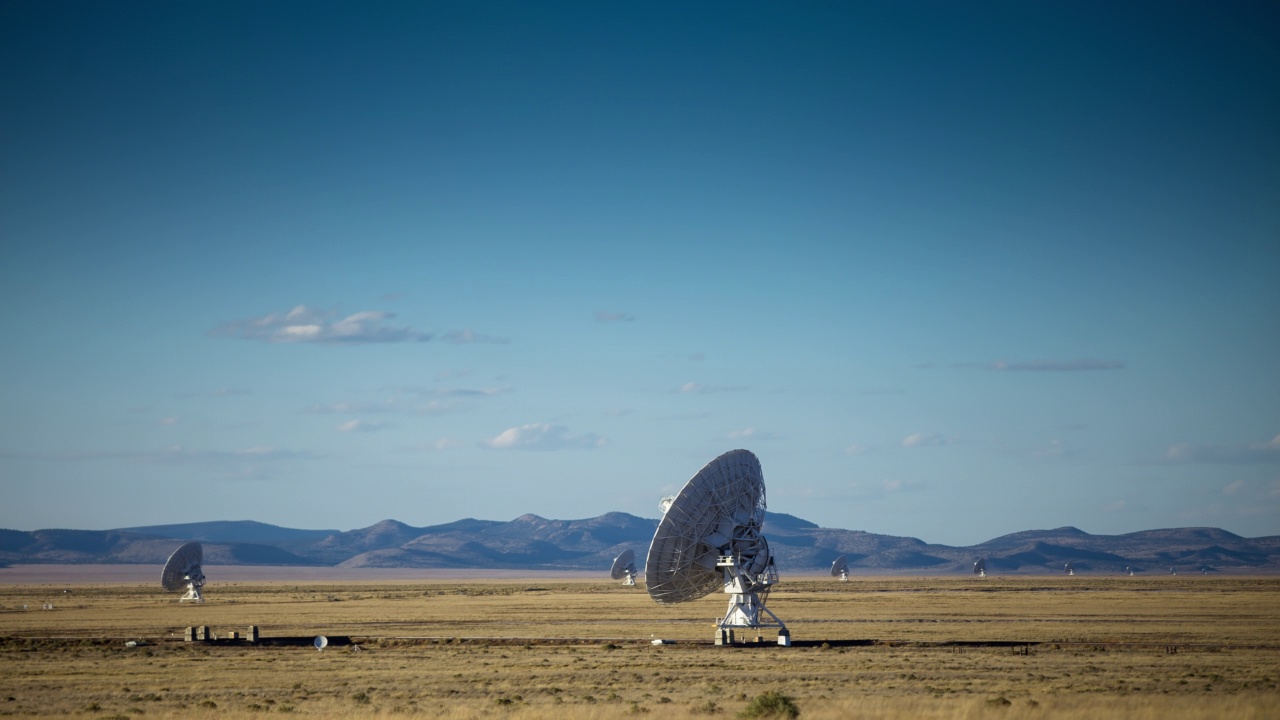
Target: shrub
[[770, 704]]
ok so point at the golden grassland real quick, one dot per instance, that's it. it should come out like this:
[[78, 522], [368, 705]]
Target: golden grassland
[[1026, 647]]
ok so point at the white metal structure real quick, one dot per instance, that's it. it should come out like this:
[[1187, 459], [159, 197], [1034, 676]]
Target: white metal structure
[[1128, 570], [710, 537], [980, 567], [183, 570], [1070, 568], [840, 568], [624, 566]]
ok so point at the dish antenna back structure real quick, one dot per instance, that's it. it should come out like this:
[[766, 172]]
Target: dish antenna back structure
[[183, 570], [624, 566], [709, 537], [1070, 568], [840, 568], [980, 567]]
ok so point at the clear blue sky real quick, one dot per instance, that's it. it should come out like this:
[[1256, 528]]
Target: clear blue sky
[[950, 270]]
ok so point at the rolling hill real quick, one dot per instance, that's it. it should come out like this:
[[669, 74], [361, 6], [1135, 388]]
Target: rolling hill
[[537, 543]]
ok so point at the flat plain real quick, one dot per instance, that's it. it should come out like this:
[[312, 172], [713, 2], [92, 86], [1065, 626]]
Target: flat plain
[[1162, 647]]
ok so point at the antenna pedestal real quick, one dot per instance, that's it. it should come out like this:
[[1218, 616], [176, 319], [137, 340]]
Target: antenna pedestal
[[746, 606], [193, 595]]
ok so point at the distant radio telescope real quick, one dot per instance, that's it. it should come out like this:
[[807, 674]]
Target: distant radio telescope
[[183, 570]]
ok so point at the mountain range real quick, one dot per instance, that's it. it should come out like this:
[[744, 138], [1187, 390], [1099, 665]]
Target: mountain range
[[535, 543]]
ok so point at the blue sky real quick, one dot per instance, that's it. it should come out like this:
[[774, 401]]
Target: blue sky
[[950, 270]]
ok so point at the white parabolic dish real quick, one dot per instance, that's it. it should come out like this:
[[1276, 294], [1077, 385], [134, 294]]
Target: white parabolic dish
[[840, 566], [183, 570], [728, 492], [623, 565], [189, 555]]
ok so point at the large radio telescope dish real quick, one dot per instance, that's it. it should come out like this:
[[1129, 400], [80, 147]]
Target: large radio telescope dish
[[183, 570], [624, 566], [709, 538], [840, 568], [980, 567]]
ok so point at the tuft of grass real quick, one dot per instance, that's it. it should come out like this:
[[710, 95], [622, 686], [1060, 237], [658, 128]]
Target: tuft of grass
[[771, 704]]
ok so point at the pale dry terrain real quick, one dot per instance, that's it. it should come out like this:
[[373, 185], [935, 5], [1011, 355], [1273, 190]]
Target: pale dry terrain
[[1162, 647]]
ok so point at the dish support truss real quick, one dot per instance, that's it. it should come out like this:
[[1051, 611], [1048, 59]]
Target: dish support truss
[[195, 580], [747, 581]]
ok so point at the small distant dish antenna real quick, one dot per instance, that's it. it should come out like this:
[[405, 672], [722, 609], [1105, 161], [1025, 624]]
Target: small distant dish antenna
[[709, 537], [1128, 570], [980, 567], [624, 566], [183, 570], [840, 568], [1173, 571], [321, 642], [1070, 568]]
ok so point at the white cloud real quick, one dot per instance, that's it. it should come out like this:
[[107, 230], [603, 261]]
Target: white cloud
[[1232, 488], [305, 324], [441, 444], [176, 454], [468, 336], [1056, 365], [753, 434], [1055, 448], [878, 489], [1252, 454], [857, 449], [169, 421], [693, 388], [361, 426], [923, 440], [542, 436]]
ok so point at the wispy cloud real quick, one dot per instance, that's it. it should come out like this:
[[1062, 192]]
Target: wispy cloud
[[410, 400], [361, 426], [879, 489], [221, 392], [451, 392], [858, 449], [467, 336], [1043, 365], [694, 388], [175, 454], [753, 434], [1252, 454], [1054, 448], [1056, 365], [543, 436], [432, 445], [171, 420], [923, 440], [607, 317], [305, 324], [1115, 507]]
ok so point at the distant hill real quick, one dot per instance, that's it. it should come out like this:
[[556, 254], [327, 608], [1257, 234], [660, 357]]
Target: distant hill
[[536, 543]]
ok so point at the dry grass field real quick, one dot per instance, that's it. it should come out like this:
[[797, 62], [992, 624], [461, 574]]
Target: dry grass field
[[1162, 647]]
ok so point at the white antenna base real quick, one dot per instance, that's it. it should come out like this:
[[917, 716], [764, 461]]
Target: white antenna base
[[746, 608], [193, 595], [631, 579], [844, 576]]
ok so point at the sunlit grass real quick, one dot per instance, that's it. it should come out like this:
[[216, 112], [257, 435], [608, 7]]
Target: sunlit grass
[[1151, 648]]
